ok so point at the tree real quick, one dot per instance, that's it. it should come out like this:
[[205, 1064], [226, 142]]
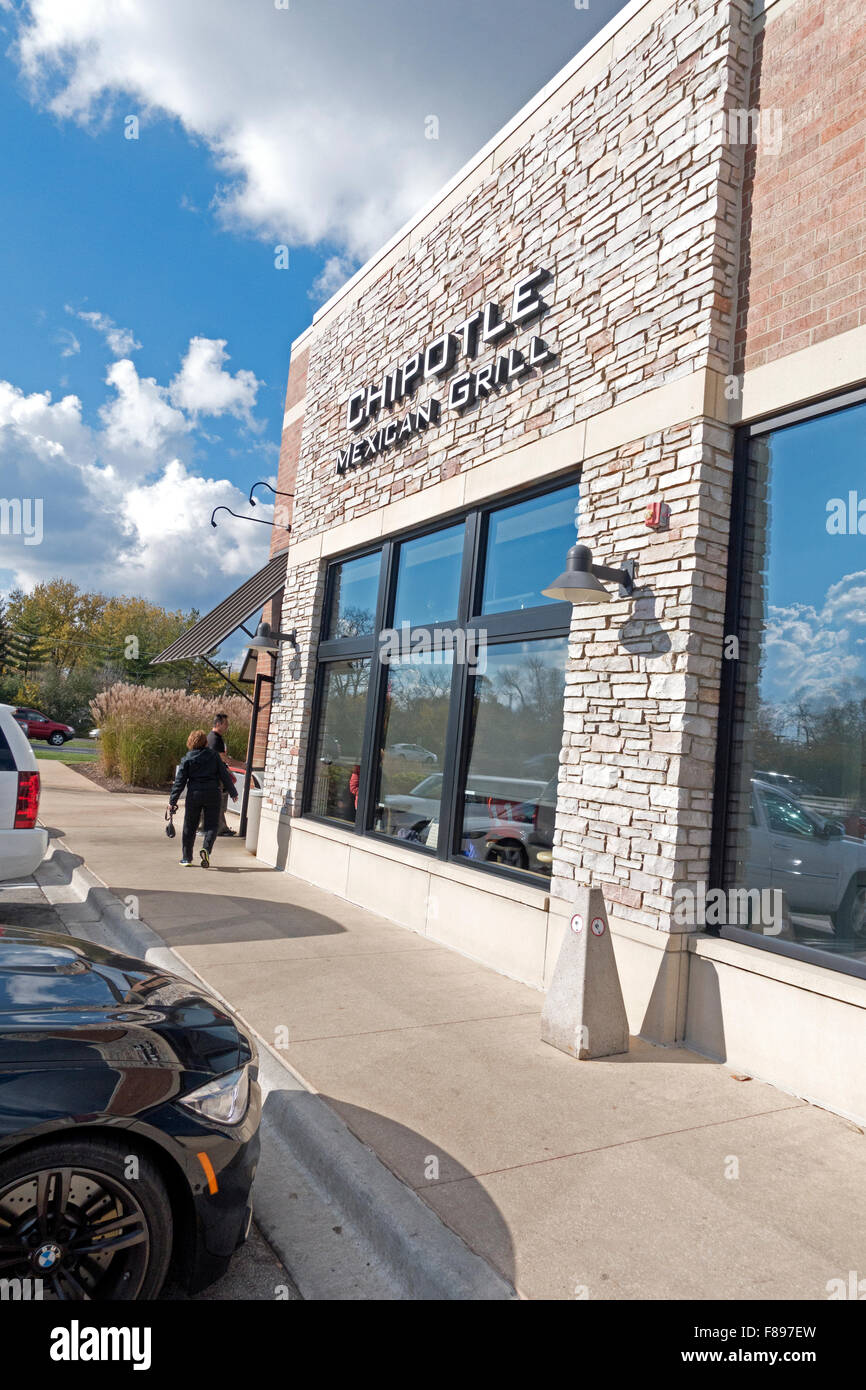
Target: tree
[[26, 644]]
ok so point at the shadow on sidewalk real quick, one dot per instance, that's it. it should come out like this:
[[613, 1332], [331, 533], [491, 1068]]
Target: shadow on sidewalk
[[453, 1193], [195, 919]]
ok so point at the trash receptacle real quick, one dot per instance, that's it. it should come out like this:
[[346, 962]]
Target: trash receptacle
[[254, 815]]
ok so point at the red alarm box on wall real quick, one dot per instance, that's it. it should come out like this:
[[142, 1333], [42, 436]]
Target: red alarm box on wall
[[657, 515]]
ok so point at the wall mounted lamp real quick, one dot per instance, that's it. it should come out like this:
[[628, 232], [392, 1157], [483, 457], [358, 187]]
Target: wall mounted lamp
[[260, 520], [252, 500], [266, 640], [579, 582]]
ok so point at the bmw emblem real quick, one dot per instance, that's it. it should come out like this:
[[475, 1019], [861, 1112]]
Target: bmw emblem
[[47, 1256]]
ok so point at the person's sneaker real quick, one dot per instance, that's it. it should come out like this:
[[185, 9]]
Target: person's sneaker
[[205, 858], [227, 831], [186, 863]]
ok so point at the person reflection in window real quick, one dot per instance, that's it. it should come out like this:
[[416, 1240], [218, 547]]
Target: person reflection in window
[[347, 796]]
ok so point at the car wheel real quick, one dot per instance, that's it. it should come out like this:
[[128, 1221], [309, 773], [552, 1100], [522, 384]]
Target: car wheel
[[509, 852], [850, 918], [71, 1216], [56, 740]]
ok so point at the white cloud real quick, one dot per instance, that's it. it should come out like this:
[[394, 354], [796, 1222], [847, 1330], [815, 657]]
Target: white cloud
[[70, 345], [808, 651], [126, 508], [202, 387], [333, 275], [140, 419], [317, 115], [121, 341]]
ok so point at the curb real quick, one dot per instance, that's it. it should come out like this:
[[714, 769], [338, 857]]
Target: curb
[[407, 1252]]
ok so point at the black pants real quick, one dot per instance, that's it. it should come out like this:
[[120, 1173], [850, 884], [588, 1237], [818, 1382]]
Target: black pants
[[196, 805]]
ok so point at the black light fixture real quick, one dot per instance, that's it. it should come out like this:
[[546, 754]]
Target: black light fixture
[[266, 640], [579, 582], [258, 519], [252, 500]]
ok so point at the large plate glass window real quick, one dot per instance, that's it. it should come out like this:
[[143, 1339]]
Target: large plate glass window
[[414, 725], [523, 542], [354, 588], [338, 754], [440, 651], [509, 796], [796, 808], [428, 578]]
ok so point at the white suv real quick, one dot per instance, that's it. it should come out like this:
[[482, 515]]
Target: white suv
[[22, 842]]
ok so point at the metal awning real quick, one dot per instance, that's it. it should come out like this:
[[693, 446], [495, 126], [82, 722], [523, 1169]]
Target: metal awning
[[223, 620]]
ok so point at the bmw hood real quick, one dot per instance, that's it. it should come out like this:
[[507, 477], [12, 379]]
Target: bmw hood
[[67, 1001]]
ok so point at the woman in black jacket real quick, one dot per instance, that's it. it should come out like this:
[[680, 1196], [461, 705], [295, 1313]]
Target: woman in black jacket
[[202, 771]]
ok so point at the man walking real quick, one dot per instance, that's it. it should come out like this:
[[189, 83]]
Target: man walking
[[216, 741]]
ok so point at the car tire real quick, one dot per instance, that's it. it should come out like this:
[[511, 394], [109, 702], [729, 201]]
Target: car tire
[[56, 740], [849, 920], [137, 1207]]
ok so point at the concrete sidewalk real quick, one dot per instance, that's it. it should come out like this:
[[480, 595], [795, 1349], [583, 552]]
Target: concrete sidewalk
[[656, 1175]]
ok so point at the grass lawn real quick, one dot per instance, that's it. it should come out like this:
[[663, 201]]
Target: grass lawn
[[77, 750]]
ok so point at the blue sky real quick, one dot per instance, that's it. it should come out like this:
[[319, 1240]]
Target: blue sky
[[145, 337], [815, 619]]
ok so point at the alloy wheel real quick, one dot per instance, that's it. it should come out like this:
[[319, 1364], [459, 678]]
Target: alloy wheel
[[83, 1233]]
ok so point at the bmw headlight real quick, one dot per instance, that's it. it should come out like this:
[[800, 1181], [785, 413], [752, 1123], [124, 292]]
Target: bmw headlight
[[224, 1100]]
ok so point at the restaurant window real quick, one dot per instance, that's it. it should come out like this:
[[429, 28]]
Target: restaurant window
[[428, 578], [342, 707], [438, 718], [515, 733], [354, 587], [520, 543], [792, 819], [412, 755]]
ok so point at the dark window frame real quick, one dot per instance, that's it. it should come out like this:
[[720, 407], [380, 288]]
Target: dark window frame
[[549, 620], [756, 429]]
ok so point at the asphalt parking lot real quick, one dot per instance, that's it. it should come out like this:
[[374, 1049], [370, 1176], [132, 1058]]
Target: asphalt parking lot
[[255, 1271]]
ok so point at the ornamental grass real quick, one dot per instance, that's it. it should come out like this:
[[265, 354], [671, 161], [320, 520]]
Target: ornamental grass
[[143, 731]]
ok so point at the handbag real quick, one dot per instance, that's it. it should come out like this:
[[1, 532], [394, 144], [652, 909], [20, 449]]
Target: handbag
[[169, 822]]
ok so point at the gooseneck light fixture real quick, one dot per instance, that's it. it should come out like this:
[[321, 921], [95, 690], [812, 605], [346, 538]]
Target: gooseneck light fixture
[[260, 520], [580, 580], [272, 489]]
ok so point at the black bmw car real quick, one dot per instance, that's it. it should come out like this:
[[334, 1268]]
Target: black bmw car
[[129, 1118]]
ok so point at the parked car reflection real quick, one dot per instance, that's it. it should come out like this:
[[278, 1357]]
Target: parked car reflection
[[507, 820], [820, 868]]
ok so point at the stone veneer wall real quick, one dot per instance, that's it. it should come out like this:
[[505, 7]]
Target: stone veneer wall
[[630, 195]]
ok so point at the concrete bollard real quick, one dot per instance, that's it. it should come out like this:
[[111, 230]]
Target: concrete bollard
[[584, 1014]]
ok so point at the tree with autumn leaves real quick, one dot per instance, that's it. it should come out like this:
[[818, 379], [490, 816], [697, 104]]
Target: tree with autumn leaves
[[60, 645]]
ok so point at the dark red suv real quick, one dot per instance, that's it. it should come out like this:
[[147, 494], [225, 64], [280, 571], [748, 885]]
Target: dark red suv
[[35, 725]]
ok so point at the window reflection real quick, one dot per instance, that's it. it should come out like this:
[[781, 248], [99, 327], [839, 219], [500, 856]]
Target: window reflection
[[525, 544], [428, 578], [341, 734], [353, 597], [509, 798], [797, 815], [417, 698]]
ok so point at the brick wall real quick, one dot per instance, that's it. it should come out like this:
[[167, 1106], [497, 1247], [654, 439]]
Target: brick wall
[[632, 200], [804, 242]]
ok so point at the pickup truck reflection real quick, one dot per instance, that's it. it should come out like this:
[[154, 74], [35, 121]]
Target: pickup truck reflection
[[820, 868]]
